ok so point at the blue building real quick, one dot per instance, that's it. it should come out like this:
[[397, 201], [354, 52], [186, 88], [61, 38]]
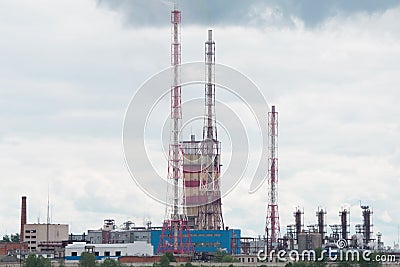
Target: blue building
[[208, 241]]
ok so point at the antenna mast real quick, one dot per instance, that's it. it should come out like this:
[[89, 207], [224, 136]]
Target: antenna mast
[[272, 228], [175, 236]]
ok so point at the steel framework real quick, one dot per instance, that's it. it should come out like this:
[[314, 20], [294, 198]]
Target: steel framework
[[175, 236], [210, 212], [272, 227]]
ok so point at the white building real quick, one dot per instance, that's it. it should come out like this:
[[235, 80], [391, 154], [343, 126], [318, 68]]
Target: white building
[[138, 248]]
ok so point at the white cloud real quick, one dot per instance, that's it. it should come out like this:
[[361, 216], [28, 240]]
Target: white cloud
[[386, 217], [70, 70]]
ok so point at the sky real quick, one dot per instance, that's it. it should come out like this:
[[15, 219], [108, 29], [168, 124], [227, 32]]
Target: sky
[[70, 69]]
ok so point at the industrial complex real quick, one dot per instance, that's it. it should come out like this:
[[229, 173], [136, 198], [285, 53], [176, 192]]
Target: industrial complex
[[193, 227], [130, 243]]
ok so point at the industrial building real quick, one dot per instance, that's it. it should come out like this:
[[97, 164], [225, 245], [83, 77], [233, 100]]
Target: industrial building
[[41, 237], [309, 241], [204, 241], [109, 234], [7, 248], [46, 239], [139, 248], [297, 237], [208, 241]]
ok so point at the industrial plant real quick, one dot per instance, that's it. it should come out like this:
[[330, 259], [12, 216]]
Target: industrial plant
[[193, 228]]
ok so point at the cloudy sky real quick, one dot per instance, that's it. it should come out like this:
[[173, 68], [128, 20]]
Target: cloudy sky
[[69, 70]]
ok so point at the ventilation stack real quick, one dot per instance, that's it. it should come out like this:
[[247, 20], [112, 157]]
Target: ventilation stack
[[321, 214], [345, 223], [210, 210], [298, 222], [367, 224]]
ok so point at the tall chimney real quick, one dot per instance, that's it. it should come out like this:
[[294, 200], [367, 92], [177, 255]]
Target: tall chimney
[[23, 218]]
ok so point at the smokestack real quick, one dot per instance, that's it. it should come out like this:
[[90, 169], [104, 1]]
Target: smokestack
[[210, 35], [23, 218]]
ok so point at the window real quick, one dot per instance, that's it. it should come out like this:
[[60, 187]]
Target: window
[[33, 236], [96, 253], [252, 259], [107, 253], [27, 236], [118, 253], [74, 253], [33, 242]]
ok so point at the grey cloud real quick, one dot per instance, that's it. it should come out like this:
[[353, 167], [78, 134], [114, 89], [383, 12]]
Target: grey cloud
[[237, 12]]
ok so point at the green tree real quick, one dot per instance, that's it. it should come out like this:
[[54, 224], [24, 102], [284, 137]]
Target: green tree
[[170, 256], [164, 261], [62, 263], [320, 258], [33, 261], [30, 261], [218, 255], [297, 264], [87, 260], [43, 262], [15, 238], [228, 258], [110, 263], [6, 238], [12, 238]]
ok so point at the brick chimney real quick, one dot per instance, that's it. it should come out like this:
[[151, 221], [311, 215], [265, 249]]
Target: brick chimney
[[23, 218]]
